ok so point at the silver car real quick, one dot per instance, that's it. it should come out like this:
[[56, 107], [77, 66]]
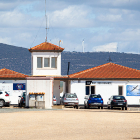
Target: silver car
[[70, 99]]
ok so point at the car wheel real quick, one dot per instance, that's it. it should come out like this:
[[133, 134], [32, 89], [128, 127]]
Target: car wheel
[[76, 107], [98, 107], [108, 107], [122, 108], [20, 105], [85, 106], [125, 108], [1, 103], [88, 106], [101, 107], [111, 106]]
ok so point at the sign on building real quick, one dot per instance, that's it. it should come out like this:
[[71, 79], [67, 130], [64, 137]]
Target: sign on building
[[133, 90], [18, 86]]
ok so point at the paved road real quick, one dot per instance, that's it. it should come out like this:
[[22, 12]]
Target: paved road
[[57, 107], [69, 124]]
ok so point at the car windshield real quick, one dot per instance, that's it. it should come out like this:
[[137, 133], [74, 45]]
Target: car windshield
[[95, 96], [6, 93], [118, 98], [71, 96]]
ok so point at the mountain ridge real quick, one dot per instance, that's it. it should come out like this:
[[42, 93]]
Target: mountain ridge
[[19, 59]]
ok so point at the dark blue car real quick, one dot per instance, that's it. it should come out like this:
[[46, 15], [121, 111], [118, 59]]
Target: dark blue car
[[93, 100]]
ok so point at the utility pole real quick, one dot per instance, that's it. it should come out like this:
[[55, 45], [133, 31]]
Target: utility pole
[[109, 59]]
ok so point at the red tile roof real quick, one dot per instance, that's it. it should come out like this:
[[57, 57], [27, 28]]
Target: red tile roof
[[10, 74], [46, 47], [106, 71]]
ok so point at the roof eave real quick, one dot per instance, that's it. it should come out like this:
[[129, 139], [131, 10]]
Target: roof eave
[[68, 78], [30, 50], [12, 78]]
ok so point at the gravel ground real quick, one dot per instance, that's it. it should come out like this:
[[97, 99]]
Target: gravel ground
[[69, 123]]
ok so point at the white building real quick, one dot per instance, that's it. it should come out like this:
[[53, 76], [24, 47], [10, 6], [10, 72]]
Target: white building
[[107, 80], [45, 64], [12, 82]]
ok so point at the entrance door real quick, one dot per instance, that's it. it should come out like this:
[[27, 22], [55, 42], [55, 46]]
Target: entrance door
[[92, 89], [120, 90], [87, 90]]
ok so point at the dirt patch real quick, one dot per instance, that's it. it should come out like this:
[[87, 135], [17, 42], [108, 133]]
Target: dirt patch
[[71, 124]]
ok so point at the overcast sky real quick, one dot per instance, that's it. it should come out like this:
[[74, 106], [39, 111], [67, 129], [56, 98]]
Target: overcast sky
[[105, 25]]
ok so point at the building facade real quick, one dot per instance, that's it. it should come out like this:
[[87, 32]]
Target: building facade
[[107, 80], [12, 82], [45, 64]]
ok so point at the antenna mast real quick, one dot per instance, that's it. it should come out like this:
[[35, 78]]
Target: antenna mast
[[46, 20], [83, 45]]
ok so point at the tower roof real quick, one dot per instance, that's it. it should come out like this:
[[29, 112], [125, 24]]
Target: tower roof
[[46, 47]]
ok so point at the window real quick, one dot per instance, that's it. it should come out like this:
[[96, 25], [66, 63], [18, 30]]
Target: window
[[95, 96], [71, 96], [43, 62], [118, 97], [39, 62], [46, 62], [54, 62]]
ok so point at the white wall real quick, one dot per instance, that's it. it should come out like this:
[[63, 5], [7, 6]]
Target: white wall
[[79, 89], [105, 90], [45, 86], [45, 71], [7, 85], [56, 90]]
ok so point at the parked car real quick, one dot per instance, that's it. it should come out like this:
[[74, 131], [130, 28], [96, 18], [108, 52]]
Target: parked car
[[4, 99], [54, 100], [93, 100], [21, 99], [60, 100], [70, 99], [117, 101]]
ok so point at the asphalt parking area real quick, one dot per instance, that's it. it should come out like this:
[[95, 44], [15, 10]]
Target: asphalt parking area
[[61, 107]]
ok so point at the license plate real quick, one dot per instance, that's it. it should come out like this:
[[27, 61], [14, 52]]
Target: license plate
[[120, 104], [96, 103], [71, 103]]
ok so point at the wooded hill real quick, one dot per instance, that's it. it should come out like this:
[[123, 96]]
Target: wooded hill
[[19, 59]]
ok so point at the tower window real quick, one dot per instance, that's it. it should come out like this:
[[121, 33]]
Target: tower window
[[43, 62], [39, 62], [54, 62], [46, 62]]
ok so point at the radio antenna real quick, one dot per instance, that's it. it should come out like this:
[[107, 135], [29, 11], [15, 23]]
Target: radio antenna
[[83, 45], [46, 20]]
